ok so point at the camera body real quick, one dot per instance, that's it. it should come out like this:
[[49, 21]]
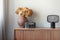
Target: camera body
[[30, 25]]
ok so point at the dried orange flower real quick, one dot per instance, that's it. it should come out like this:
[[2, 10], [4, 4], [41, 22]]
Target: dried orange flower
[[24, 12]]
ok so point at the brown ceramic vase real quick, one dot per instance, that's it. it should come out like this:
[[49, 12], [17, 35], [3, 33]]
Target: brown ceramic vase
[[21, 21]]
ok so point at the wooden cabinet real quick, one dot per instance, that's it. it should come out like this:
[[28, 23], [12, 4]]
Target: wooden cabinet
[[36, 34], [55, 34]]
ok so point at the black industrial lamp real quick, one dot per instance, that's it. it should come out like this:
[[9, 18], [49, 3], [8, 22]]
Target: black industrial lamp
[[52, 19]]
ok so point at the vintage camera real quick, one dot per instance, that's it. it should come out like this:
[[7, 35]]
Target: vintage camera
[[30, 25]]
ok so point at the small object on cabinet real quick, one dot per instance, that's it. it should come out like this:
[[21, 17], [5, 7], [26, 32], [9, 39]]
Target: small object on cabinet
[[30, 25], [53, 19]]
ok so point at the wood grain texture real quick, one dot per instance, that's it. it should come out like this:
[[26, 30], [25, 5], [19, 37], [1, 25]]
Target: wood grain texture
[[56, 35], [17, 37], [46, 34], [36, 34], [27, 35], [21, 35], [51, 34]]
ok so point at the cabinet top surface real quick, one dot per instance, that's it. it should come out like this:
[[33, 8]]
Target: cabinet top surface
[[37, 29]]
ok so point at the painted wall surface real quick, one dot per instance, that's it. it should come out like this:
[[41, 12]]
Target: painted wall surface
[[41, 9]]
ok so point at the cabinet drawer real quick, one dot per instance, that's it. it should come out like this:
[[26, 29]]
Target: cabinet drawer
[[18, 35], [33, 35]]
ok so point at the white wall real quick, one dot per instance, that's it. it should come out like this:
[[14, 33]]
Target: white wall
[[41, 9]]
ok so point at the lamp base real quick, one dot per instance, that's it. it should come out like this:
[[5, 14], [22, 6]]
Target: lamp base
[[52, 25]]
